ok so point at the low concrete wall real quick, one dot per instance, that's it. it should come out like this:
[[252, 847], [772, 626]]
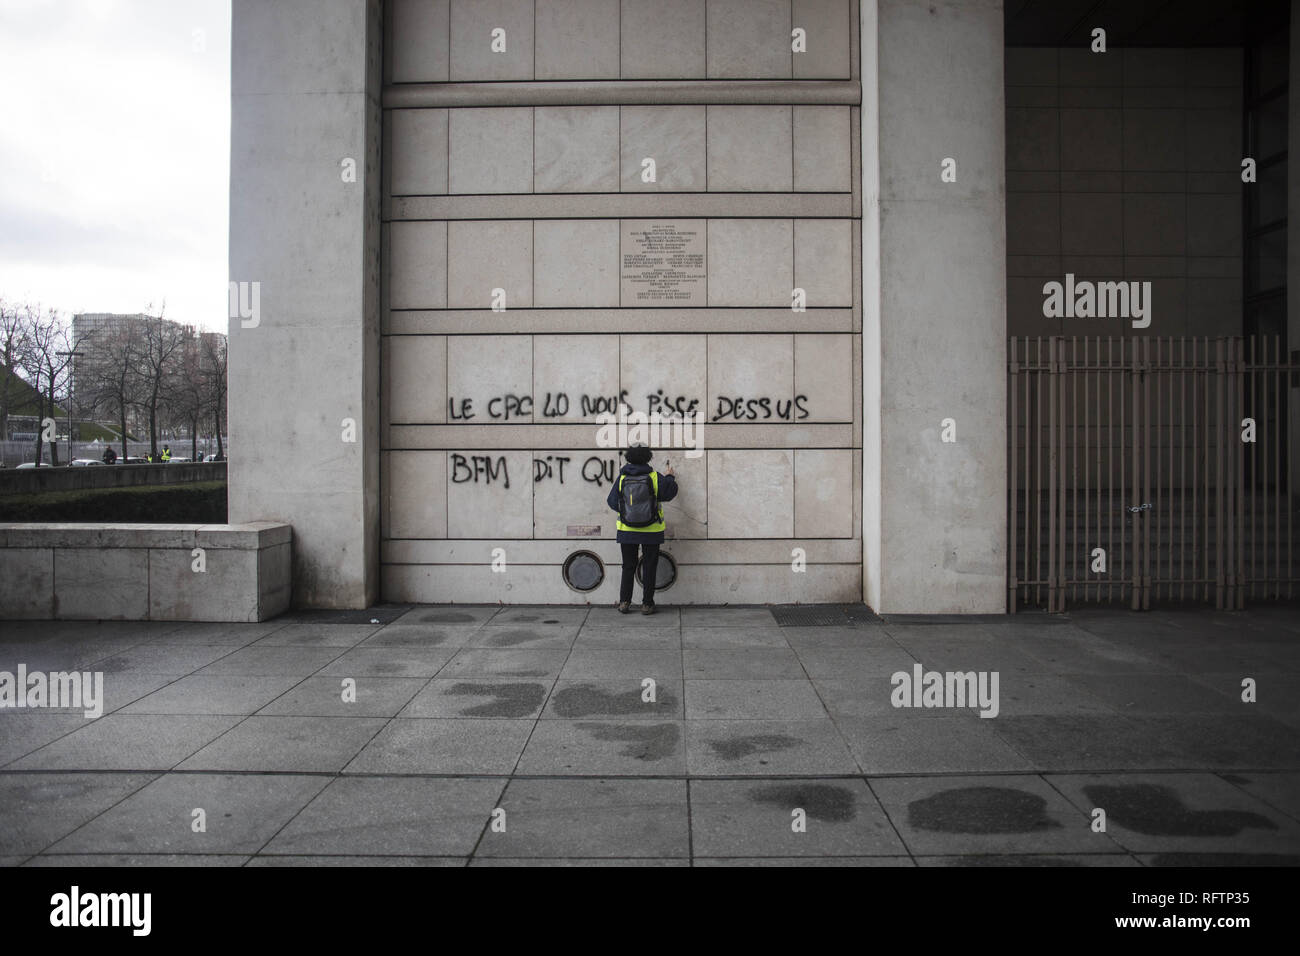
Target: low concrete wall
[[23, 481], [145, 572]]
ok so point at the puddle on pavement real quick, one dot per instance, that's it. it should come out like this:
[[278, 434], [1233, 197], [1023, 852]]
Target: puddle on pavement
[[508, 700], [981, 810], [821, 801], [589, 700], [649, 742], [736, 747], [1154, 810]]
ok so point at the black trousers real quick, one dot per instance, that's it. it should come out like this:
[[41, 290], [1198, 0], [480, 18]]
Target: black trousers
[[649, 566]]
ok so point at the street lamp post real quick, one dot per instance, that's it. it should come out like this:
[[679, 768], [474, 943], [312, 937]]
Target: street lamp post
[[71, 355]]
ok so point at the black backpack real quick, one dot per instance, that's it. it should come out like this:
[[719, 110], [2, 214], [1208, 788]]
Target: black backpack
[[638, 505]]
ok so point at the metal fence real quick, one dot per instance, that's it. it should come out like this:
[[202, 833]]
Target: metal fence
[[1151, 469]]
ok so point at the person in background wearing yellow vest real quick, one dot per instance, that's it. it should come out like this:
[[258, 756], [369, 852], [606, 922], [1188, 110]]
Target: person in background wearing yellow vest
[[637, 495], [167, 453]]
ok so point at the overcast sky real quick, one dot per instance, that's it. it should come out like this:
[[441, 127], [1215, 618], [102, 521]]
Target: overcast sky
[[115, 155]]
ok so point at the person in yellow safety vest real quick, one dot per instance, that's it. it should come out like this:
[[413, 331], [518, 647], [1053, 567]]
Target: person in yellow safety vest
[[637, 496], [167, 453]]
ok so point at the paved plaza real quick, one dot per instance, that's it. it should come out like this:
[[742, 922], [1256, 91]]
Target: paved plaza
[[485, 735]]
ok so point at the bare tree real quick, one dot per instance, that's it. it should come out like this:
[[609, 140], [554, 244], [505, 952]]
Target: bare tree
[[213, 360], [48, 362], [162, 342], [112, 374], [186, 393], [14, 333]]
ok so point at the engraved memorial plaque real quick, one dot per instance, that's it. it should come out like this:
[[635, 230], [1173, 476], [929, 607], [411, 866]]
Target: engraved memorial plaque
[[662, 263]]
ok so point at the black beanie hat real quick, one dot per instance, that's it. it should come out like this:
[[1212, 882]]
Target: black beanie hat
[[638, 455]]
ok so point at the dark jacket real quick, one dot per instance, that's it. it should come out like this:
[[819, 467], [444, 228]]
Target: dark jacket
[[667, 492]]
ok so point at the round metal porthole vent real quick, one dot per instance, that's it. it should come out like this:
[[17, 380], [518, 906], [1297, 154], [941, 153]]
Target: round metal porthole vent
[[665, 574], [583, 571]]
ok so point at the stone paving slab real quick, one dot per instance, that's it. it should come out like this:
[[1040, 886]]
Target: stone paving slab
[[1179, 813], [897, 744], [391, 816], [496, 662], [588, 663], [37, 809], [458, 703], [327, 697], [980, 814], [369, 660], [854, 861], [531, 636], [789, 818], [758, 663], [1281, 791], [619, 698], [451, 746], [287, 744], [766, 748], [128, 742], [241, 812], [318, 635], [23, 732], [139, 859], [268, 859], [503, 697], [422, 636], [262, 661], [753, 700], [623, 748], [733, 637], [198, 694], [591, 818]]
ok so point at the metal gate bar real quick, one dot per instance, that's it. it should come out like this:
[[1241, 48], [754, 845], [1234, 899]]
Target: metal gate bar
[[1131, 477]]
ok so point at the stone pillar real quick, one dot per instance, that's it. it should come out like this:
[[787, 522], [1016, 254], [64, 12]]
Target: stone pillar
[[304, 247], [934, 307], [1293, 238]]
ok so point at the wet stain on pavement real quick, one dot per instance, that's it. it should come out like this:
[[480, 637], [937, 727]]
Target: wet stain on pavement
[[509, 700], [824, 802], [522, 618], [551, 621], [735, 748], [445, 617], [589, 700], [649, 742], [404, 638], [1154, 810], [981, 810], [512, 638]]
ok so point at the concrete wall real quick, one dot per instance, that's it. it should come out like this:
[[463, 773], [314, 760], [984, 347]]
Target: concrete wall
[[935, 310], [143, 572], [16, 481], [1125, 165], [305, 90], [499, 186]]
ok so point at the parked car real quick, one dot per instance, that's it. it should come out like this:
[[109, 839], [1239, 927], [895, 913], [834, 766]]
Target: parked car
[[35, 464], [174, 460], [86, 462], [133, 461], [212, 456]]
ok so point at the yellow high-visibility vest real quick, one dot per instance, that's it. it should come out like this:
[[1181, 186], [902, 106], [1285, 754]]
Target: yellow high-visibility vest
[[658, 525]]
